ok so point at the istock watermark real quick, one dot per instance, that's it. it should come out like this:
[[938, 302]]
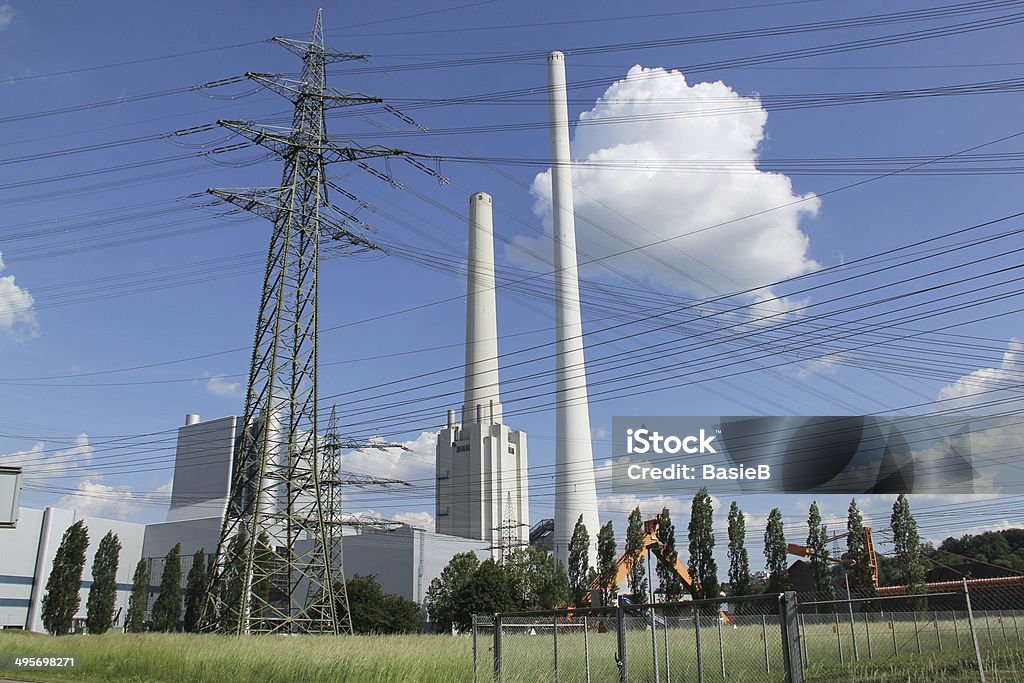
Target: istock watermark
[[830, 454]]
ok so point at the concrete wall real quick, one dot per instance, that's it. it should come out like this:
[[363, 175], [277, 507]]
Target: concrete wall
[[406, 560]]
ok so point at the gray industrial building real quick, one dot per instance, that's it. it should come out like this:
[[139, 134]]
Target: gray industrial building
[[403, 559]]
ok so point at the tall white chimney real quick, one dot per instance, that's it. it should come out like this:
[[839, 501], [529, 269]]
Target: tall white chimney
[[481, 317], [575, 493]]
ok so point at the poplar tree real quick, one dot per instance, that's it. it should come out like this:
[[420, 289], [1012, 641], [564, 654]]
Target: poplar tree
[[195, 591], [134, 620], [861, 583], [579, 562], [817, 546], [99, 608], [739, 561], [701, 563], [907, 547], [167, 608], [62, 598], [607, 565], [637, 576], [775, 553], [668, 579]]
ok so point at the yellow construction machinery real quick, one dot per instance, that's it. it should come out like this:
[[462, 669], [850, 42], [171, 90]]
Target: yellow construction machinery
[[804, 551]]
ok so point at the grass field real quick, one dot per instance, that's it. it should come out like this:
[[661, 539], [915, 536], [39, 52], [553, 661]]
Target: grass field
[[184, 658], [528, 654]]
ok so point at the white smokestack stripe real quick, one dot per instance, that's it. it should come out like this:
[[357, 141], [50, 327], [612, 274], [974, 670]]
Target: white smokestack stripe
[[481, 317], [575, 493]]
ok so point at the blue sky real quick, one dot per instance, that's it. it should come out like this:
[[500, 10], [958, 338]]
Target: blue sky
[[124, 304]]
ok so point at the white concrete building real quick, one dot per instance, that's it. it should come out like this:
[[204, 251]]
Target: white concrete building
[[482, 463]]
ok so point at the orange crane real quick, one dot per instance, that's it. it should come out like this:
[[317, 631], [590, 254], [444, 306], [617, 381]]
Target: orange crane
[[651, 543], [804, 551]]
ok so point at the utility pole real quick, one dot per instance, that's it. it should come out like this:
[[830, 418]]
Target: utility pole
[[273, 571]]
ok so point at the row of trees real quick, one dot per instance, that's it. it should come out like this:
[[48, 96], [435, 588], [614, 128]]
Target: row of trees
[[62, 598], [526, 578], [373, 610], [907, 558], [460, 592]]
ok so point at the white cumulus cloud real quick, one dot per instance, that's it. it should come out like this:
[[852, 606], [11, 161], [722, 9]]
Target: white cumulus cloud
[[92, 497], [6, 15], [983, 386], [17, 312], [70, 469], [40, 464], [394, 463], [420, 520], [218, 386], [650, 121]]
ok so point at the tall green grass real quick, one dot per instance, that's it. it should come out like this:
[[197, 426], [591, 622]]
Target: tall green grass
[[187, 658], [528, 657]]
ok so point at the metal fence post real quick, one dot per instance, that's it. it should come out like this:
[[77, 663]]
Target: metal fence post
[[586, 647], [475, 677], [956, 629], [668, 661], [654, 644], [892, 627], [721, 645], [1013, 613], [620, 642], [853, 631], [974, 633], [791, 637], [700, 655], [867, 632], [764, 637], [497, 648], [839, 640], [938, 633], [554, 636], [917, 633], [1002, 627]]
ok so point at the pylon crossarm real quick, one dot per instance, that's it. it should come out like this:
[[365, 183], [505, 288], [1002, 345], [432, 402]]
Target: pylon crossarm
[[302, 47], [292, 89]]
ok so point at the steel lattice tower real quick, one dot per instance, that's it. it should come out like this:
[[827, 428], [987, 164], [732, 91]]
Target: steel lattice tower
[[273, 571]]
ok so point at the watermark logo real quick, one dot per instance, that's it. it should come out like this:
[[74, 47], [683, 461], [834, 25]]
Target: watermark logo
[[643, 440]]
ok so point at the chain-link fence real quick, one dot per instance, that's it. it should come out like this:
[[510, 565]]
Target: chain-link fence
[[959, 631], [971, 630], [683, 641]]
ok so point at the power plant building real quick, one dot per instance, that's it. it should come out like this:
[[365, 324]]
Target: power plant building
[[403, 558], [482, 487]]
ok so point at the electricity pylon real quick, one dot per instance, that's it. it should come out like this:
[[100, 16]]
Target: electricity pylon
[[273, 571], [508, 541], [334, 481]]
